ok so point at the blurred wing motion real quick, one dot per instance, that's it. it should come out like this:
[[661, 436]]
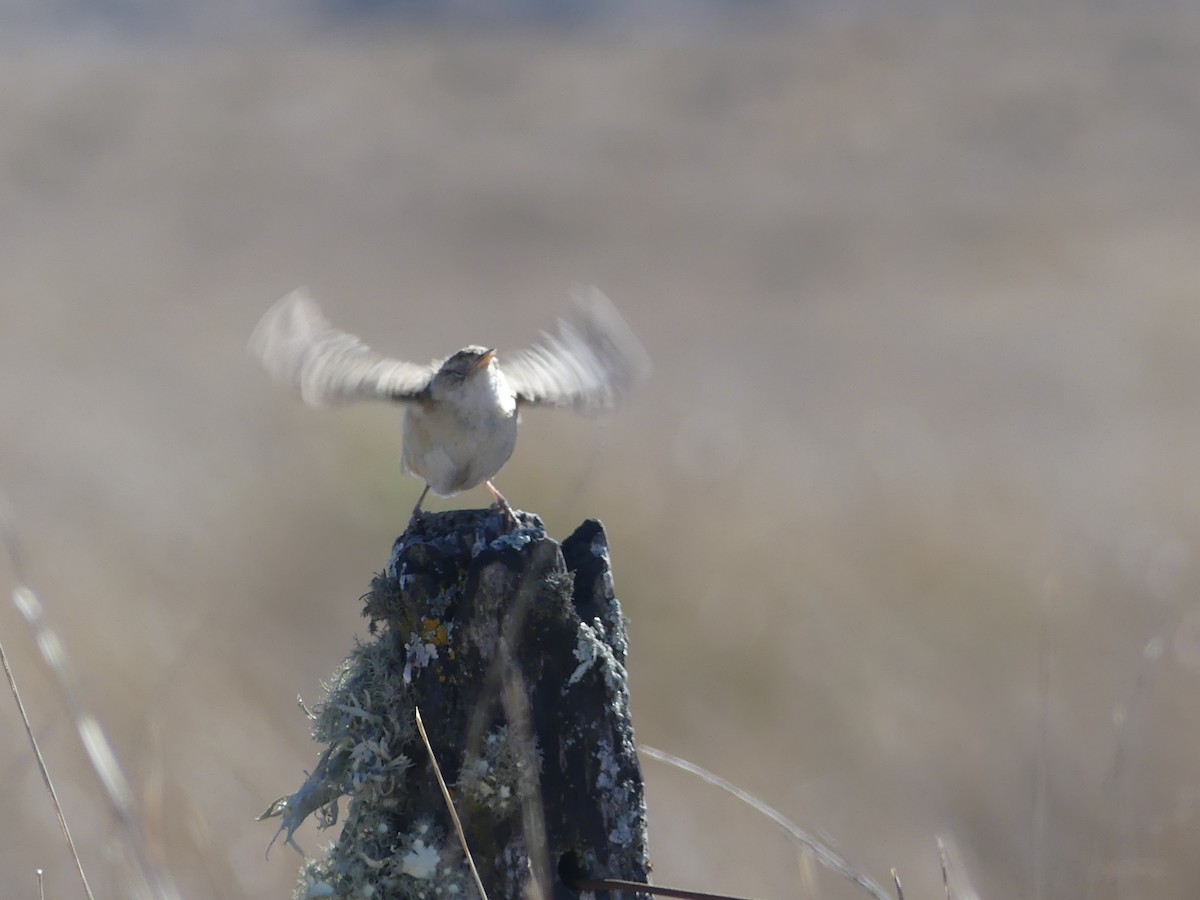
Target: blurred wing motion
[[299, 348], [589, 365]]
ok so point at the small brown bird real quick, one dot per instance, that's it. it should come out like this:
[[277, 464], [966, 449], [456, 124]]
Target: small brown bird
[[460, 426]]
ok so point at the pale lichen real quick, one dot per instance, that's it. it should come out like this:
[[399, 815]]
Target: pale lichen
[[417, 865], [502, 776]]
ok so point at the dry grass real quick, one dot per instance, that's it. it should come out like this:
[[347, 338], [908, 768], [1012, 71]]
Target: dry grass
[[905, 525]]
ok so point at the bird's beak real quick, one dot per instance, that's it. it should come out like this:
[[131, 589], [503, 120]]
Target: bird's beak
[[484, 360]]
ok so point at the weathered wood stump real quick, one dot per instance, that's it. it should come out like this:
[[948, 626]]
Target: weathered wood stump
[[514, 650]]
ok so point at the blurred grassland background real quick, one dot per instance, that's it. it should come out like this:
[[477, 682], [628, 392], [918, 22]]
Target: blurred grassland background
[[905, 524]]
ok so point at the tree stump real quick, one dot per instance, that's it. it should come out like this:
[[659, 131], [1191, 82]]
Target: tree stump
[[514, 650]]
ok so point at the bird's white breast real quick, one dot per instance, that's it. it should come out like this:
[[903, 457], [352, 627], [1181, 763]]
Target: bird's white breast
[[459, 442]]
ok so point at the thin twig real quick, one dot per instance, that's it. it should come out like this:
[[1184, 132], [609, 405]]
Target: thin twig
[[498, 682], [824, 855], [954, 873], [945, 868], [618, 884], [41, 763], [14, 558], [437, 771], [95, 743], [515, 701]]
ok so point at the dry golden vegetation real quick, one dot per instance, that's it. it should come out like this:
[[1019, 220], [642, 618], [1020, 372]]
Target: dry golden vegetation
[[905, 524]]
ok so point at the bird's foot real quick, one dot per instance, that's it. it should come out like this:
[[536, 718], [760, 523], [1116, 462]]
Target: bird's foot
[[418, 514], [503, 507], [510, 518]]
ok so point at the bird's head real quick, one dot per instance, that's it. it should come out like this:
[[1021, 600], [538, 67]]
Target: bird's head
[[468, 365]]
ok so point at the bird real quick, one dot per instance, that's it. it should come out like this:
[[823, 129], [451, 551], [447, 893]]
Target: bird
[[461, 412]]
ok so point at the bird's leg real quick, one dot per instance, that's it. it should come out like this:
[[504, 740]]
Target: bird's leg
[[503, 505], [416, 514]]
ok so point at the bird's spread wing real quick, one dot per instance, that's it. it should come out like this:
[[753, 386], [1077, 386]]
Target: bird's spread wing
[[299, 348], [589, 364]]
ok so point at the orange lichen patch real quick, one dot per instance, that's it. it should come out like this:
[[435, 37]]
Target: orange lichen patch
[[434, 631]]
